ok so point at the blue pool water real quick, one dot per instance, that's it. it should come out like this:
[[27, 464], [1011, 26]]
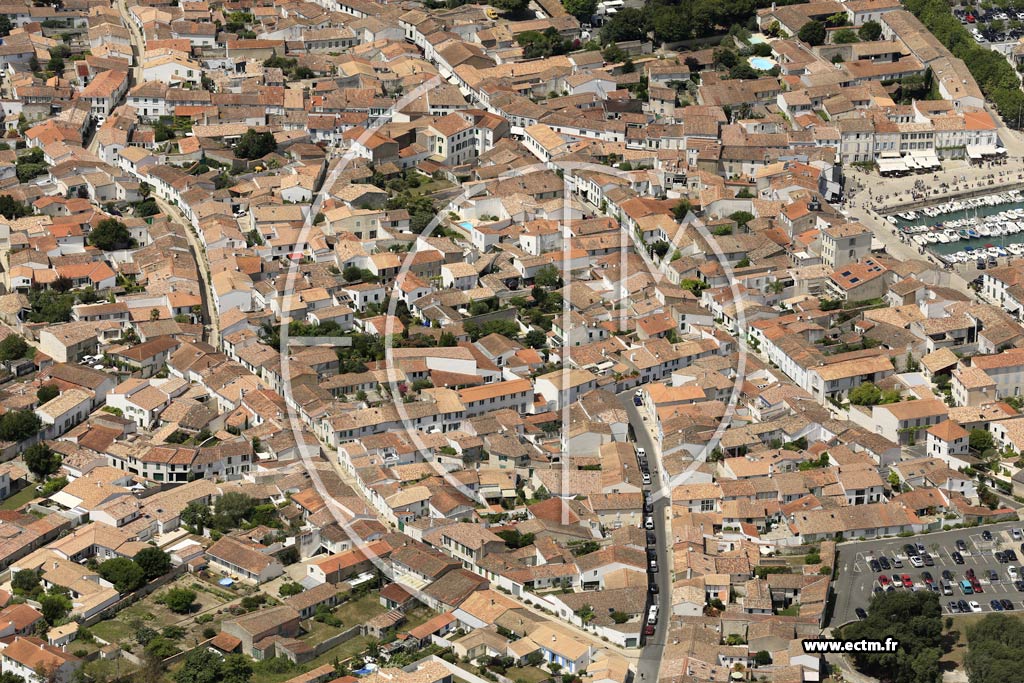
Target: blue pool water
[[466, 224], [762, 63]]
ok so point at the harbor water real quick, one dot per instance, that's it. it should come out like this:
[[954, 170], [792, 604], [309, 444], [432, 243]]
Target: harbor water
[[1001, 214]]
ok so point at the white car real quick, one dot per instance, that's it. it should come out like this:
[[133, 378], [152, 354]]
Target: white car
[[975, 607], [917, 561], [640, 452], [1012, 571], [649, 523], [1016, 534]]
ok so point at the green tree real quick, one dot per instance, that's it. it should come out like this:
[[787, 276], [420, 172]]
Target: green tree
[[55, 605], [179, 600], [723, 56], [235, 668], [548, 277], [109, 235], [161, 647], [869, 31], [843, 36], [914, 620], [201, 665], [196, 515], [535, 339], [12, 208], [5, 25], [54, 485], [231, 509], [980, 440], [41, 460], [682, 208], [995, 649], [290, 588], [812, 33], [511, 6], [581, 9], [124, 573], [47, 393], [626, 24], [18, 425], [866, 394], [13, 347], [255, 145], [762, 658], [154, 562], [26, 583]]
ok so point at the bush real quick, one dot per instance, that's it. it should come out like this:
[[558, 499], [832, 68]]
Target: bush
[[179, 600], [47, 393], [13, 347], [109, 235], [123, 573]]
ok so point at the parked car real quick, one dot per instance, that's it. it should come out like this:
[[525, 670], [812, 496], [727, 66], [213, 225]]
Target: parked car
[[861, 614], [961, 545], [883, 561], [957, 557]]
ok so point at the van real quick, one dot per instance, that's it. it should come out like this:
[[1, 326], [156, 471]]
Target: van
[[646, 478], [652, 615], [966, 587]]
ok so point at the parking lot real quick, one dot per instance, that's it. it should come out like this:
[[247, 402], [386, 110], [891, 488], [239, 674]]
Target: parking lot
[[856, 582]]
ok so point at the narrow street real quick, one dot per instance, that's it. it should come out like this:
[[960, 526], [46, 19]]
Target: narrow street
[[650, 660], [211, 319]]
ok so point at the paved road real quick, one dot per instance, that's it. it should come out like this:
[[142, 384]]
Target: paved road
[[211, 319], [650, 659]]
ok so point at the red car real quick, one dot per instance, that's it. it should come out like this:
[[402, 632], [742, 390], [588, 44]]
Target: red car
[[883, 580], [976, 585], [907, 581], [649, 630], [970, 18]]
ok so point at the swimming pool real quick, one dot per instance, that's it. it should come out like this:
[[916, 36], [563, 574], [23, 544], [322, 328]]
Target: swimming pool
[[466, 225], [762, 63]]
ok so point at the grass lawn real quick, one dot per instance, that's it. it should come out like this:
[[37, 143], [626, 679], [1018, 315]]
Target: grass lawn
[[431, 186], [359, 611], [349, 648], [20, 498], [108, 669], [318, 632], [156, 616], [530, 674], [342, 652], [415, 617], [112, 631]]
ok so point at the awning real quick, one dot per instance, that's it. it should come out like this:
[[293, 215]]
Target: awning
[[925, 159], [891, 166], [979, 151]]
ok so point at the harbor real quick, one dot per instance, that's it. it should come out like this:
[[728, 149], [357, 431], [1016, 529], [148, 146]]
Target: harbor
[[975, 230]]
